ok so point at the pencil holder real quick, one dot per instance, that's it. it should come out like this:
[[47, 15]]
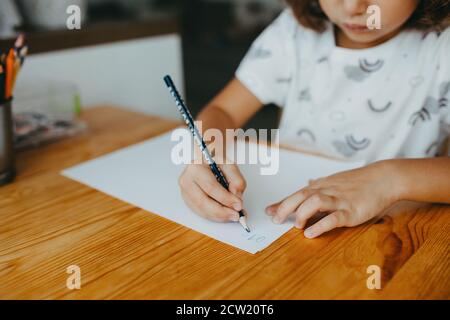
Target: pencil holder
[[7, 170]]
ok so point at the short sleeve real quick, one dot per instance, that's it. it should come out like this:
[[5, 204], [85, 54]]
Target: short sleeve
[[442, 90], [265, 68], [444, 73]]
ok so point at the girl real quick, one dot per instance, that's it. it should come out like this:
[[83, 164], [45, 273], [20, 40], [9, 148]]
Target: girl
[[348, 91]]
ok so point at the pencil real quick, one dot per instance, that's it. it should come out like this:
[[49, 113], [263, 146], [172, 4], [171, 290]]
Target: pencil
[[201, 143], [16, 70], [9, 74]]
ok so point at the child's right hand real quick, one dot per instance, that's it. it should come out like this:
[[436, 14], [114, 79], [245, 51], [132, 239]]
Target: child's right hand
[[207, 197]]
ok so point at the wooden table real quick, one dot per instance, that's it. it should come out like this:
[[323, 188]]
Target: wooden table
[[48, 222]]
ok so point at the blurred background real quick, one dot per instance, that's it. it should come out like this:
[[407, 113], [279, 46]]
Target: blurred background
[[124, 47]]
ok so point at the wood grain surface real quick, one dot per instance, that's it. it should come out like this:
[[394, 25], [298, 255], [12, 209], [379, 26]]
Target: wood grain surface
[[48, 222]]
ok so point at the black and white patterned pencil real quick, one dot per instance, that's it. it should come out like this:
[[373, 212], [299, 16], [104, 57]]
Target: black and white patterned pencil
[[186, 114]]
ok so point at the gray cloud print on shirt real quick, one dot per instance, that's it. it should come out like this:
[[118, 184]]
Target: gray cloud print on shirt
[[363, 70], [322, 59], [305, 95], [257, 52], [430, 107], [283, 80], [351, 146]]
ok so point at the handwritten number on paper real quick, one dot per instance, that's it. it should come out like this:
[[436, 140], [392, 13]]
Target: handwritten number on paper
[[254, 237]]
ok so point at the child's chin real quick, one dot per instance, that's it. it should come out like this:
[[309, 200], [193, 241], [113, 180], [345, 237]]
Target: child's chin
[[365, 38]]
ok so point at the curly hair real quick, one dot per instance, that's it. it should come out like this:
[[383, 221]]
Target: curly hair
[[430, 14]]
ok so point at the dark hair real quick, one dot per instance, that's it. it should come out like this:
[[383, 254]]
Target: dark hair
[[430, 14]]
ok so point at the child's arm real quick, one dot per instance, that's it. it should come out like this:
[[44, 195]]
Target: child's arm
[[425, 180], [354, 197], [230, 109]]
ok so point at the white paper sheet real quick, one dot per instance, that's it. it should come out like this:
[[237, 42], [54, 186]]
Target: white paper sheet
[[144, 175]]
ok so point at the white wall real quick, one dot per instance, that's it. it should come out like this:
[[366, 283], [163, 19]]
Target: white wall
[[127, 73]]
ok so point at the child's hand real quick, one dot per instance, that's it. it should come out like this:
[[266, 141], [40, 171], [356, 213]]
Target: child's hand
[[207, 197], [348, 198]]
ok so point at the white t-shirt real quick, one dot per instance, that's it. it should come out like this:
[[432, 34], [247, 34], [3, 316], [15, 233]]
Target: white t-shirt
[[389, 101]]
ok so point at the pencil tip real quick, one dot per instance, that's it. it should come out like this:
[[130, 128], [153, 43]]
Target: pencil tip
[[243, 221]]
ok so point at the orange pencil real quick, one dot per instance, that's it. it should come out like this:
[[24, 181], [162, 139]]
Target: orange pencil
[[15, 73], [9, 73]]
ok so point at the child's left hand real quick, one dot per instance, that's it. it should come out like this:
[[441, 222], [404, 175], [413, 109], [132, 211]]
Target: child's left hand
[[349, 198]]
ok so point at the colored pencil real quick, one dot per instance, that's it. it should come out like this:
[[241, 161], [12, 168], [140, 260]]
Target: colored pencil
[[9, 74], [16, 70], [11, 64]]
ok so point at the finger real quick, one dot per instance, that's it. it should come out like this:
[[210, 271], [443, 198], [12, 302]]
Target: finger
[[317, 202], [217, 192], [201, 213], [216, 212], [318, 183], [272, 209], [236, 181], [290, 204], [206, 207], [331, 221]]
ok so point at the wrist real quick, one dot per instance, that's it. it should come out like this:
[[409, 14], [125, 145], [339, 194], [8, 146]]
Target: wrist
[[396, 180]]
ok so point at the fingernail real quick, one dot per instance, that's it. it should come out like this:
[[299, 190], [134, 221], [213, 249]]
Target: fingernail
[[235, 217], [237, 206], [270, 211], [309, 233], [276, 220]]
